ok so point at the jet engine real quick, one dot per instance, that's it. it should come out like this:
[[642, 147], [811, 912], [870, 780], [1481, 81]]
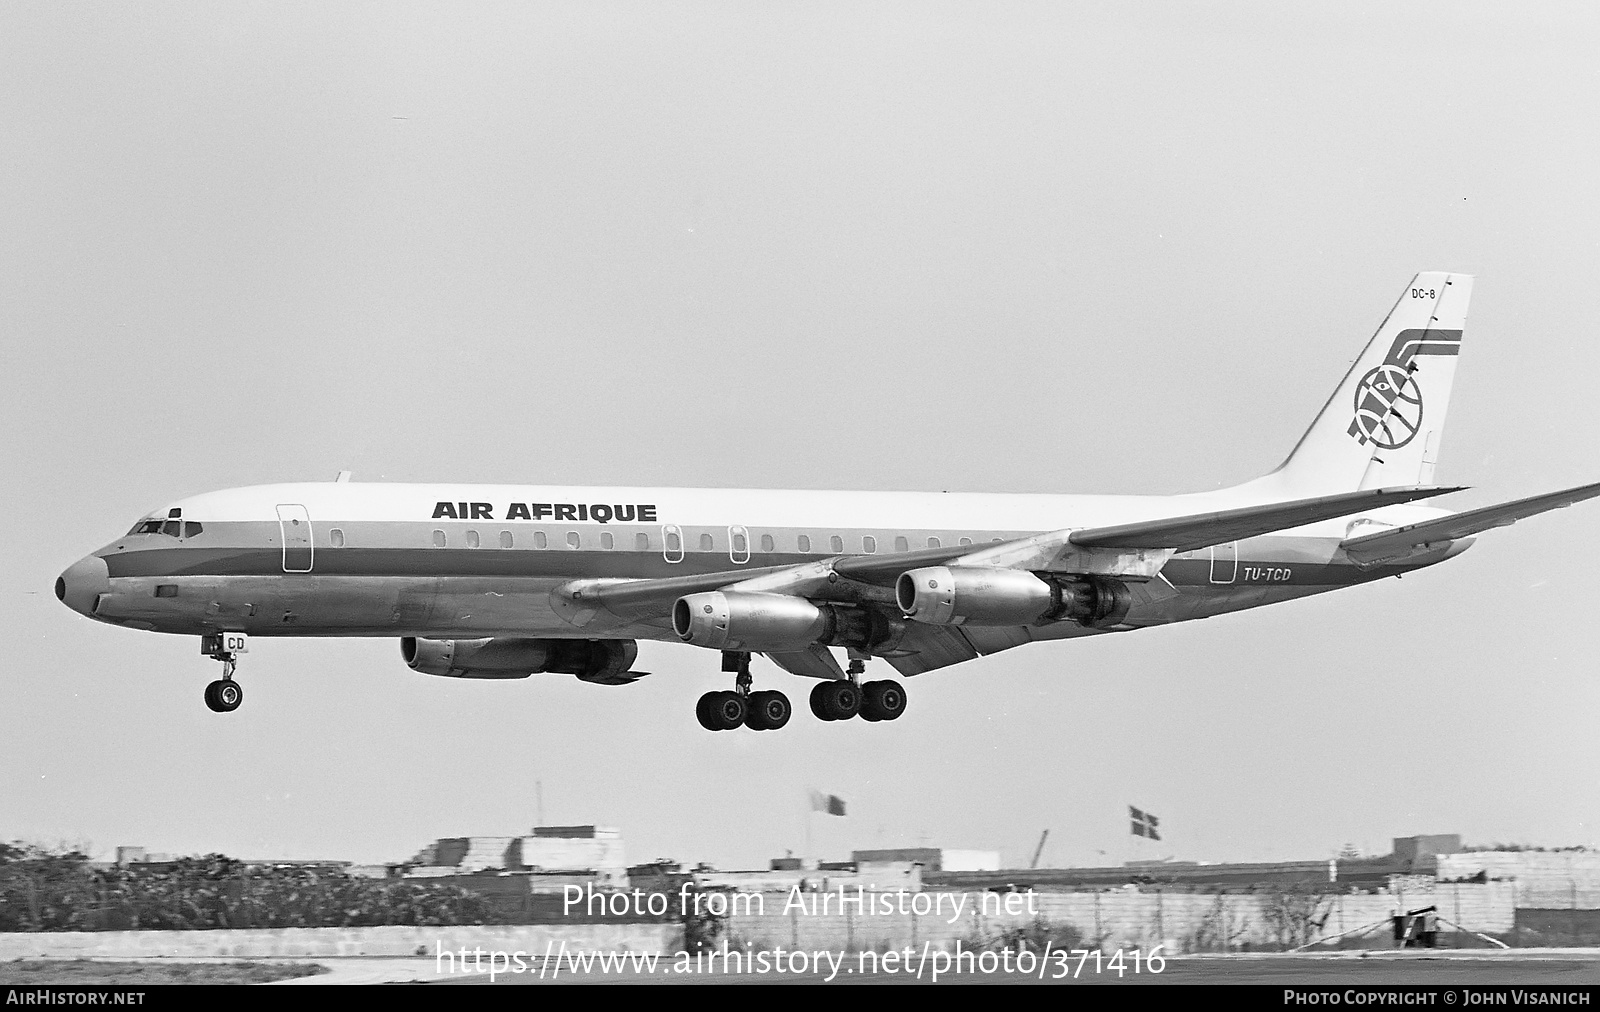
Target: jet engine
[[603, 661], [755, 622], [778, 623], [985, 596]]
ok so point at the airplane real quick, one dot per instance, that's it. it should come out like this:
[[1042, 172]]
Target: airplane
[[506, 581]]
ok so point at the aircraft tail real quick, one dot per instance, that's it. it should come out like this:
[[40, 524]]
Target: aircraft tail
[[1382, 426]]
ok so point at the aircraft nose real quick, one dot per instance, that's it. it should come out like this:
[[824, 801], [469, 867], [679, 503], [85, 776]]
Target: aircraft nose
[[83, 582]]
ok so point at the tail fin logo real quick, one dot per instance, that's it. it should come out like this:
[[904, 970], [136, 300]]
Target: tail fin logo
[[1388, 402]]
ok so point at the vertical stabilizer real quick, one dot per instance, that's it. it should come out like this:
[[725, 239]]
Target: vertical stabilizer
[[1383, 424]]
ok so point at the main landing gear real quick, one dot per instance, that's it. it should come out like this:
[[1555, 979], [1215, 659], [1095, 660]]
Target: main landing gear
[[843, 699], [224, 695], [833, 699], [759, 711]]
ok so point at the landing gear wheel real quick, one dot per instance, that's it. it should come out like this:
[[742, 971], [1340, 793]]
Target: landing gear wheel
[[702, 712], [768, 711], [884, 700], [725, 710], [224, 695], [819, 710], [841, 699]]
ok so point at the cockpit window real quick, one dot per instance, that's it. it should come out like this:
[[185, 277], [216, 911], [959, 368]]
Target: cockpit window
[[171, 528]]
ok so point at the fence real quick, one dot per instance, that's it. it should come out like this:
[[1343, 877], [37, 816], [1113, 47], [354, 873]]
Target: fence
[[1181, 921]]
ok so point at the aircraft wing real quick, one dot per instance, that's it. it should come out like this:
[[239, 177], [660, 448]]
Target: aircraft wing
[[885, 569], [639, 598], [652, 598], [1400, 542], [1201, 530]]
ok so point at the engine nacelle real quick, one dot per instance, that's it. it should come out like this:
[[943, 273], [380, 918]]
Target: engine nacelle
[[755, 622], [986, 596], [603, 661], [974, 595]]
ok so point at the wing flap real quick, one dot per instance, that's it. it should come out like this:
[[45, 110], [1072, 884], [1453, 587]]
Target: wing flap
[[927, 647], [1202, 530], [817, 662], [1403, 541]]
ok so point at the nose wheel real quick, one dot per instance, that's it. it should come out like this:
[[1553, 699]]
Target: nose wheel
[[224, 695]]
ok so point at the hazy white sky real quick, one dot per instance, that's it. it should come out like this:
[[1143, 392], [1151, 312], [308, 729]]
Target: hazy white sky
[[1010, 247]]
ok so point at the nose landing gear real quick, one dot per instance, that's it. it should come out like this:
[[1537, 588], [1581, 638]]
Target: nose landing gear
[[224, 695]]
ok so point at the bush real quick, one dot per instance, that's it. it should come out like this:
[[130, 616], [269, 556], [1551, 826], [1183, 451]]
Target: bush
[[45, 891], [1036, 935]]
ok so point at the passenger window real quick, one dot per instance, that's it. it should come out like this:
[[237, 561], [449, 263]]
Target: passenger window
[[335, 537], [438, 539], [190, 528], [738, 545], [805, 543], [869, 544], [672, 544], [902, 545], [572, 539], [966, 542], [641, 542], [606, 541], [766, 543], [836, 543], [933, 542], [539, 540], [505, 539], [705, 543], [473, 541]]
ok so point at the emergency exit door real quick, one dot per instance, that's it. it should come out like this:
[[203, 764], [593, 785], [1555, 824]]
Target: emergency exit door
[[1225, 562], [294, 525]]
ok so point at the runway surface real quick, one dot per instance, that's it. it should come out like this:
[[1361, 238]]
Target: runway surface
[[1562, 968]]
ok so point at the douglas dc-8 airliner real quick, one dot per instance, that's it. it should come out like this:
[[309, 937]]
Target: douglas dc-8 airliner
[[504, 581]]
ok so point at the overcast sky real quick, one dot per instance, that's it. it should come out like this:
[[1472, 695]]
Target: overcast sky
[[1036, 247]]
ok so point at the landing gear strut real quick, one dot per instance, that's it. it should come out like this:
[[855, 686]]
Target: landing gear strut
[[841, 699], [759, 711], [224, 695]]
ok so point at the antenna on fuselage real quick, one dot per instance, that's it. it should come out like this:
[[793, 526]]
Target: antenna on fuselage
[[344, 476]]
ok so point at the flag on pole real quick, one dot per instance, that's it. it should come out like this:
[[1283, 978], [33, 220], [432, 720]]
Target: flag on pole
[[830, 804], [1144, 824]]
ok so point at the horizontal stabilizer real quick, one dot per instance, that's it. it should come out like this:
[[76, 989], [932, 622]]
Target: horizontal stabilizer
[[1403, 541], [1201, 530]]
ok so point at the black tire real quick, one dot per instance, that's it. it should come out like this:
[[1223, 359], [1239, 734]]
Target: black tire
[[769, 711], [842, 700], [884, 700], [702, 712], [818, 709], [224, 695], [755, 717], [727, 710]]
